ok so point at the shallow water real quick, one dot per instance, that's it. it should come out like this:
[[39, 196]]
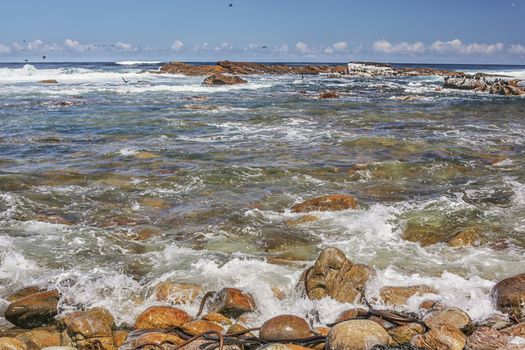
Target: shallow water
[[107, 188]]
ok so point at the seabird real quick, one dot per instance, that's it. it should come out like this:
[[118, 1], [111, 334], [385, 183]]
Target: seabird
[[126, 81], [230, 5], [264, 47], [43, 57], [25, 60]]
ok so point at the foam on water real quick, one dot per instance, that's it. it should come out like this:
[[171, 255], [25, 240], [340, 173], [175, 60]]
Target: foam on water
[[137, 63]]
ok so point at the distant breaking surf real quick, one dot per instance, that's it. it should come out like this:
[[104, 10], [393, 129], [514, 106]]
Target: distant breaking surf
[[136, 63]]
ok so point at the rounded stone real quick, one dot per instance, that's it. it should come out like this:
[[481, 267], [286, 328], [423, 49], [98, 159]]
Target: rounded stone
[[285, 327], [356, 335]]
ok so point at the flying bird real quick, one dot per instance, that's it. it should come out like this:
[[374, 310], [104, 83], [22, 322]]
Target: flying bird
[[26, 60], [126, 81], [43, 57], [230, 5], [264, 47]]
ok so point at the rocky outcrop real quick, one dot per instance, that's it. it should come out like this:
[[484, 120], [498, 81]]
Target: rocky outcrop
[[372, 69], [232, 302], [356, 335], [222, 79], [284, 327], [161, 317], [397, 296], [481, 83], [333, 202], [34, 310], [333, 275], [509, 295]]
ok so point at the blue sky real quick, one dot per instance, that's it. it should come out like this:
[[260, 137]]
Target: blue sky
[[459, 31]]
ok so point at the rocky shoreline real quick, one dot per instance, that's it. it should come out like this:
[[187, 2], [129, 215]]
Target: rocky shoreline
[[222, 316]]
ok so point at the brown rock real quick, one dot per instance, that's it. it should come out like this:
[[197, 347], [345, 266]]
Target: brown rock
[[119, 337], [440, 338], [7, 343], [451, 316], [485, 338], [217, 318], [333, 275], [334, 202], [157, 338], [328, 94], [48, 81], [162, 317], [350, 314], [200, 326], [516, 331], [221, 79], [356, 335], [322, 330], [232, 302], [509, 296], [22, 293], [40, 338], [94, 323], [403, 335], [278, 293], [34, 310], [496, 321], [177, 293], [238, 328], [284, 327], [468, 237], [397, 296]]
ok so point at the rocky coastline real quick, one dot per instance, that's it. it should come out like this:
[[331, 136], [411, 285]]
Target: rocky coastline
[[38, 321]]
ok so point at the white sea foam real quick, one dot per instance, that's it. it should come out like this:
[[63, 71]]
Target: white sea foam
[[136, 63]]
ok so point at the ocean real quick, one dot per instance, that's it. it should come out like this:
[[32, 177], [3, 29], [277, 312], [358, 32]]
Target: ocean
[[117, 178]]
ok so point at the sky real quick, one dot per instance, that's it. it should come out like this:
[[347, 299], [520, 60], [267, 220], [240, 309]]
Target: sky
[[417, 31]]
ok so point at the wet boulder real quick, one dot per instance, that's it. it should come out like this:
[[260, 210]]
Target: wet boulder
[[350, 314], [22, 293], [333, 202], [468, 237], [509, 296], [440, 338], [8, 343], [398, 296], [222, 79], [177, 293], [356, 335], [232, 302], [200, 326], [34, 310], [162, 317], [40, 338], [450, 316], [333, 275], [486, 338], [403, 334], [217, 318], [88, 328], [285, 327], [156, 338]]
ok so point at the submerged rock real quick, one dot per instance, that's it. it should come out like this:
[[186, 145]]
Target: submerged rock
[[328, 94], [285, 327], [232, 302], [162, 317], [356, 335], [334, 202], [468, 237], [177, 293], [509, 296], [399, 295], [333, 275], [440, 338], [221, 79], [34, 310]]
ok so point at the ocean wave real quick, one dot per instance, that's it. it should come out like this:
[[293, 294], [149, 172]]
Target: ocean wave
[[137, 63]]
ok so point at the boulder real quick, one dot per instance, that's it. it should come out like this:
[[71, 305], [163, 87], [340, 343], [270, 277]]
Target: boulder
[[238, 328], [334, 202], [162, 317], [485, 338], [8, 343], [34, 310], [119, 337], [217, 318], [403, 334], [351, 314], [221, 79], [333, 275], [356, 335], [22, 293], [440, 338], [232, 302], [398, 296], [200, 326], [284, 327], [39, 338], [94, 323], [509, 296], [450, 316], [177, 293]]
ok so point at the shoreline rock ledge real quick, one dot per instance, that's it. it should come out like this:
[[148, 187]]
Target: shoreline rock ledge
[[482, 84]]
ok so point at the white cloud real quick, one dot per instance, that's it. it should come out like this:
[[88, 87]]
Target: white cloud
[[225, 46], [4, 49], [340, 46], [36, 46], [383, 46], [120, 46], [329, 50], [514, 48], [301, 47], [74, 45], [457, 46], [177, 45], [282, 49]]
